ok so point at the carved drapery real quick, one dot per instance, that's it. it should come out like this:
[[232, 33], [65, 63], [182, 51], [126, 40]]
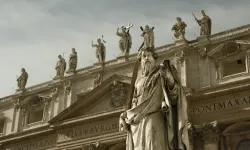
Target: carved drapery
[[67, 87], [118, 94], [97, 79], [181, 56], [203, 53], [54, 94], [211, 133]]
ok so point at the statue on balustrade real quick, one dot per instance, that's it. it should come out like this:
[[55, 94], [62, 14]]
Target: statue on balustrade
[[125, 42], [148, 38], [157, 117], [22, 79], [60, 67], [205, 24], [72, 61], [179, 29], [100, 50]]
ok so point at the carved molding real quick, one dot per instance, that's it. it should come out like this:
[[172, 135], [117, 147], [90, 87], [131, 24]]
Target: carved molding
[[54, 94], [67, 87], [118, 94], [93, 146], [181, 56], [97, 79], [211, 133], [203, 53]]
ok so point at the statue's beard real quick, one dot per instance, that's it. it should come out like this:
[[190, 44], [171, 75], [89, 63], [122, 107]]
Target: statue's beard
[[147, 68]]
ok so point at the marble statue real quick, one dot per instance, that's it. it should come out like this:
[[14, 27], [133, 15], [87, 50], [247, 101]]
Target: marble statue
[[72, 61], [100, 50], [125, 42], [148, 35], [22, 79], [179, 29], [205, 24], [60, 67], [157, 118]]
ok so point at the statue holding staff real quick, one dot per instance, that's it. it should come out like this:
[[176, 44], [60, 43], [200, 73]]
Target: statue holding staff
[[148, 38], [157, 117], [100, 50], [205, 24]]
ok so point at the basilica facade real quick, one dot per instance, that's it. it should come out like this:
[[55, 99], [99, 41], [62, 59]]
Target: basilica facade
[[81, 110]]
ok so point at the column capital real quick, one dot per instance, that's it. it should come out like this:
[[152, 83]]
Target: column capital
[[211, 133]]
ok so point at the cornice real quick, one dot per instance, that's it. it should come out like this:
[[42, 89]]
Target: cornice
[[84, 118], [220, 90], [26, 133], [115, 63]]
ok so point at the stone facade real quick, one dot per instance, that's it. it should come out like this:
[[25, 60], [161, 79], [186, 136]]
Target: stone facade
[[81, 111]]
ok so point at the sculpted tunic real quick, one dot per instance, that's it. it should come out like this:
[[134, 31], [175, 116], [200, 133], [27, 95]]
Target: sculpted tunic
[[150, 127]]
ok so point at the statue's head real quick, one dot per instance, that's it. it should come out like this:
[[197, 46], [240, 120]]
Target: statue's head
[[178, 19], [22, 70], [99, 41], [203, 12], [146, 27], [123, 29], [73, 50], [147, 57], [60, 56]]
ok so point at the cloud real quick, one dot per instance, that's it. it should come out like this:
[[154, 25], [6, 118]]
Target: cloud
[[34, 32]]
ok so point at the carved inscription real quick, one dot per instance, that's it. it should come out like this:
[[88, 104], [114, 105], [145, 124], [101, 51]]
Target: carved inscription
[[232, 103], [38, 145], [88, 131]]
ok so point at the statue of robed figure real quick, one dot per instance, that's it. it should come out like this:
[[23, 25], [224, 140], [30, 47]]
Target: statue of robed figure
[[60, 67], [205, 24], [22, 79], [157, 117]]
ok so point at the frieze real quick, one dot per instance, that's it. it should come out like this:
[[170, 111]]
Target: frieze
[[45, 143], [221, 105], [89, 131]]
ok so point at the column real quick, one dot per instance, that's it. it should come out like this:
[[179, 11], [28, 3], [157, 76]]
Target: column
[[211, 135]]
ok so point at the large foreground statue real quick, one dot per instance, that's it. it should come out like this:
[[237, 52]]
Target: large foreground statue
[[157, 119]]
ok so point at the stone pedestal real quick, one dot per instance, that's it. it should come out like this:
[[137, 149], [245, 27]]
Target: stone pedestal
[[181, 42], [123, 58], [211, 136], [203, 38], [99, 64]]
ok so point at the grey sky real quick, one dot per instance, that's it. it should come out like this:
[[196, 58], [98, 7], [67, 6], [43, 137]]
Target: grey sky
[[34, 32]]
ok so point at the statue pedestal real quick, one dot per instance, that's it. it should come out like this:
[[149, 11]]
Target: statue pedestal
[[203, 38], [99, 64], [19, 91], [123, 58], [70, 71], [181, 42]]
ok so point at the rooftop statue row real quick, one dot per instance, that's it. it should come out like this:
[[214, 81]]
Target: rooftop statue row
[[125, 44]]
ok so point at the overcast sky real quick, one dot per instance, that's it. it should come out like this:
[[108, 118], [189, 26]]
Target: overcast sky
[[34, 32]]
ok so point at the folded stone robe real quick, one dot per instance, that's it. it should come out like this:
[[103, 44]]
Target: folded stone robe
[[150, 127]]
